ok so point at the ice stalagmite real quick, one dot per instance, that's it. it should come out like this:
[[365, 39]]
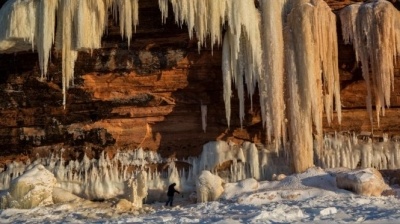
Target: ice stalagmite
[[311, 65], [373, 29]]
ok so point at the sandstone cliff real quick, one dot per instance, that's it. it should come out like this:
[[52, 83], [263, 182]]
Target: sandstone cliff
[[148, 95]]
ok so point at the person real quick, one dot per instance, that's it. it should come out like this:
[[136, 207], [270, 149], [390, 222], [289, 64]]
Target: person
[[170, 194]]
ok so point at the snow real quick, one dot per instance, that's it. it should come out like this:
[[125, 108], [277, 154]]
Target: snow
[[302, 198], [285, 49]]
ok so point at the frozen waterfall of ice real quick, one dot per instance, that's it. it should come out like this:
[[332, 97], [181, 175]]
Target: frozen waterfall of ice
[[242, 55], [373, 29], [264, 48], [312, 75], [80, 26]]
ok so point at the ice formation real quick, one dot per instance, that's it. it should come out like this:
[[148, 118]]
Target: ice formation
[[204, 117], [286, 48], [208, 187], [80, 26], [373, 29], [33, 188], [312, 76], [14, 37], [130, 174], [282, 41], [137, 189], [272, 81], [241, 51], [352, 151]]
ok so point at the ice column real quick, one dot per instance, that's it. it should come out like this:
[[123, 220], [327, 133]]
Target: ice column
[[272, 79], [312, 75]]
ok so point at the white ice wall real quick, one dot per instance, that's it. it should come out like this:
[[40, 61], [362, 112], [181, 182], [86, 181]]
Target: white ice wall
[[106, 178]]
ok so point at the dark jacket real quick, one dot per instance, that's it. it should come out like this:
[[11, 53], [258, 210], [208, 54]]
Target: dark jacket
[[171, 190]]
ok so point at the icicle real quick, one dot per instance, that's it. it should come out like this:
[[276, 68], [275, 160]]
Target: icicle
[[80, 26], [273, 77], [45, 30], [163, 5], [240, 88], [128, 17], [226, 76], [88, 34], [204, 117], [372, 27], [28, 23], [64, 42], [18, 24]]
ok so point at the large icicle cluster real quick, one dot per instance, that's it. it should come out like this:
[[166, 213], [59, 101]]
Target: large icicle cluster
[[312, 75], [373, 29], [253, 53], [241, 46], [80, 26]]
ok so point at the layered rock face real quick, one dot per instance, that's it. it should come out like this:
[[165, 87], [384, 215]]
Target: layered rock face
[[147, 95]]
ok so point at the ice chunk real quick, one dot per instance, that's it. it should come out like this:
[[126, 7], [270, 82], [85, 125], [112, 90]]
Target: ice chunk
[[34, 188], [208, 187]]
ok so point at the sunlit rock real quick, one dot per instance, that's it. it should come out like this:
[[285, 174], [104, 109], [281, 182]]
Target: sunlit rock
[[368, 182]]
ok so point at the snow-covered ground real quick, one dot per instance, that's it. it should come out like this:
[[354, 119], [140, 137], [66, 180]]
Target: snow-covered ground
[[303, 198]]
